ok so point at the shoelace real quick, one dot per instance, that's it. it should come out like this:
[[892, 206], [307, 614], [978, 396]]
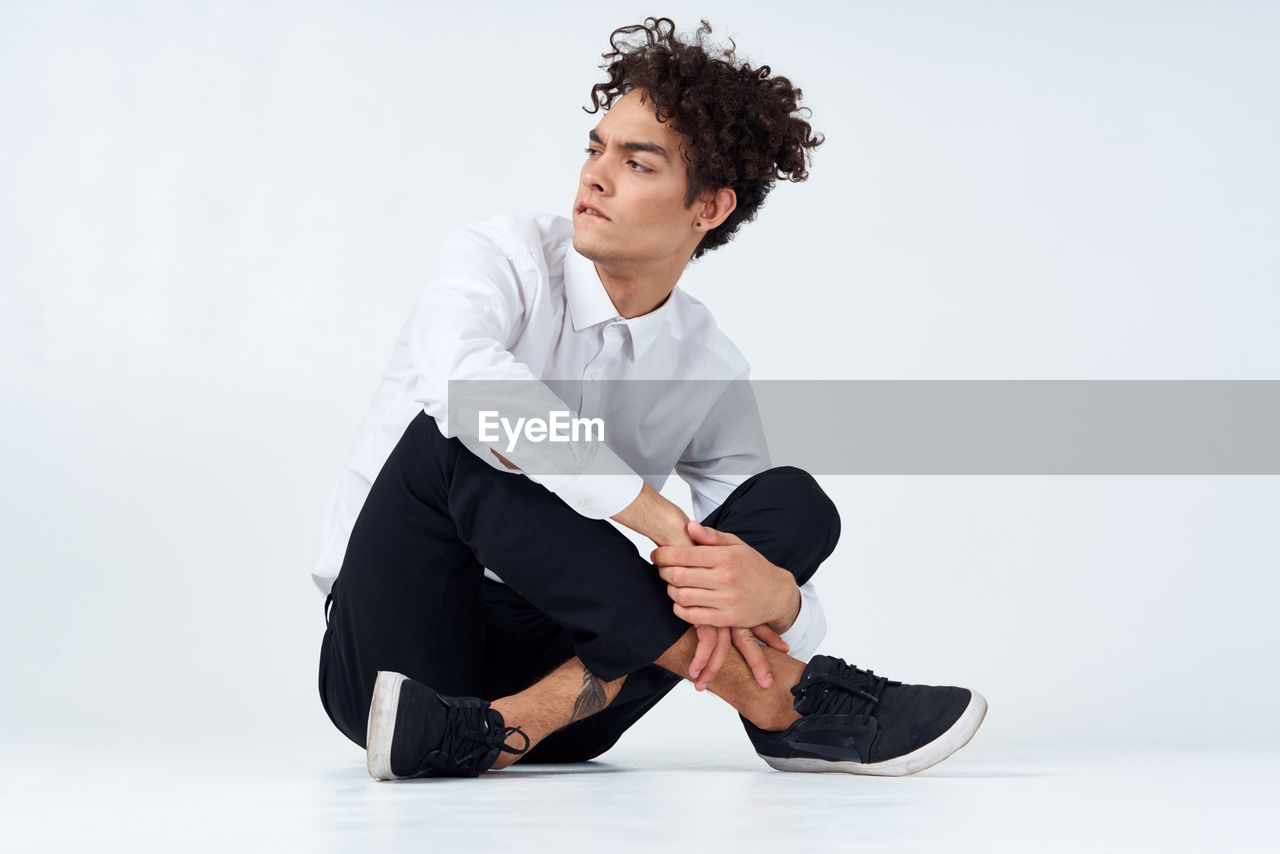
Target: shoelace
[[468, 737], [859, 691]]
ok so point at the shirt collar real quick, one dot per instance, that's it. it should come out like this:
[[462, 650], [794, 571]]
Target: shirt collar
[[589, 304]]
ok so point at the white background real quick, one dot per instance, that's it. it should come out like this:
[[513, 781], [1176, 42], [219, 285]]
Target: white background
[[215, 217]]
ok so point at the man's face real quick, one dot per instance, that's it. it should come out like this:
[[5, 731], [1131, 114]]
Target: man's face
[[630, 209]]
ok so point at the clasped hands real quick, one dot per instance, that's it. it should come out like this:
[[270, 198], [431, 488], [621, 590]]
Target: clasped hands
[[732, 595], [730, 592]]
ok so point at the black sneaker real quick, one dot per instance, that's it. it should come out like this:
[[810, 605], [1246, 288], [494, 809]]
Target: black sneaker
[[415, 732], [860, 723]]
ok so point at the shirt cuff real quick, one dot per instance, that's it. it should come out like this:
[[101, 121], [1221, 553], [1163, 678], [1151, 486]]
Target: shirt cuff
[[810, 627], [598, 496], [604, 488]]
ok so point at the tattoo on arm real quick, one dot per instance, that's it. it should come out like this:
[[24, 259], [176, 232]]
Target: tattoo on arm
[[591, 700]]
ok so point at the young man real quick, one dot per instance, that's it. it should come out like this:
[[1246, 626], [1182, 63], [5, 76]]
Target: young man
[[484, 610]]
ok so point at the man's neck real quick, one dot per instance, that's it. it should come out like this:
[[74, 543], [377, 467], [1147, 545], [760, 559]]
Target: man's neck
[[636, 295]]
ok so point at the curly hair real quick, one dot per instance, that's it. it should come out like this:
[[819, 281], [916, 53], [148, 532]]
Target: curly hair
[[743, 128]]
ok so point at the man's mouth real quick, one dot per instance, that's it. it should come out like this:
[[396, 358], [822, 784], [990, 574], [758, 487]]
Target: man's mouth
[[591, 210]]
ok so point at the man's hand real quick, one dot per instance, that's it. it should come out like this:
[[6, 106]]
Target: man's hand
[[723, 586], [715, 642], [722, 581], [667, 525]]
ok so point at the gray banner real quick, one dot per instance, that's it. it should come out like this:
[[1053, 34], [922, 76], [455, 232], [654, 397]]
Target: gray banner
[[1072, 427], [1024, 427]]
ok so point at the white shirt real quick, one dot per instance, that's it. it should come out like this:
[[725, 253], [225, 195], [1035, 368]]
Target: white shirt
[[510, 299]]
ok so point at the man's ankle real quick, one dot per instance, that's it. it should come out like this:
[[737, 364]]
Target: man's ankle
[[772, 716], [510, 709]]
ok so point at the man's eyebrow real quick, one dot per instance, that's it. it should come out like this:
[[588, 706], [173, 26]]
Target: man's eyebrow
[[651, 147]]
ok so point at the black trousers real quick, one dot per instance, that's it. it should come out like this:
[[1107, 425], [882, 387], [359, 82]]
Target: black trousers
[[412, 596]]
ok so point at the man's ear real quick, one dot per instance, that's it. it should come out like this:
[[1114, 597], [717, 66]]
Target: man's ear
[[713, 208]]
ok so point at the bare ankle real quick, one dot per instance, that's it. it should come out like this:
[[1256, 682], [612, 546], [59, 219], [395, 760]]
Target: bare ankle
[[512, 714], [772, 713], [504, 759], [569, 693], [772, 710]]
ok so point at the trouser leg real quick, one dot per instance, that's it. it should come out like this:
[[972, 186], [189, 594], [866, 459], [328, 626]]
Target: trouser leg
[[784, 515], [410, 596], [411, 593]]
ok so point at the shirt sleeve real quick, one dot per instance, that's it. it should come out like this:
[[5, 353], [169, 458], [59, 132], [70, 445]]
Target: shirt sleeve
[[728, 449], [810, 626], [467, 317]]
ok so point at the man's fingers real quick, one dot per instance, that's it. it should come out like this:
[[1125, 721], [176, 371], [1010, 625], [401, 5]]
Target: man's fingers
[[745, 641], [700, 616], [687, 576], [724, 642], [694, 597], [772, 638], [703, 556], [703, 535], [707, 636]]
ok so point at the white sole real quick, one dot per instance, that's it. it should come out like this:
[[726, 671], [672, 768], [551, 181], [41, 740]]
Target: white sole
[[909, 763], [382, 723]]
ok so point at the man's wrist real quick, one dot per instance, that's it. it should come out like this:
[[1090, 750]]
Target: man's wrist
[[672, 527], [792, 611], [678, 528], [655, 517]]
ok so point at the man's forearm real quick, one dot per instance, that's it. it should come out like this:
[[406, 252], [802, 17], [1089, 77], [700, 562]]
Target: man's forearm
[[656, 518]]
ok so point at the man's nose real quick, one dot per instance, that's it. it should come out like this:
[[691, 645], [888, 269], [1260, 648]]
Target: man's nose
[[596, 178]]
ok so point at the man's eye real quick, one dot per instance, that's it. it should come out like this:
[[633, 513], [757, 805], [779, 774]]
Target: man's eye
[[638, 167], [591, 151]]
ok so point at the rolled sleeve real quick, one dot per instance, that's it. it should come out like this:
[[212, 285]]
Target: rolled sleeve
[[810, 627], [598, 496]]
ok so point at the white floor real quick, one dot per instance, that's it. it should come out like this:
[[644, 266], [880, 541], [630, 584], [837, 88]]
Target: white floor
[[63, 797]]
